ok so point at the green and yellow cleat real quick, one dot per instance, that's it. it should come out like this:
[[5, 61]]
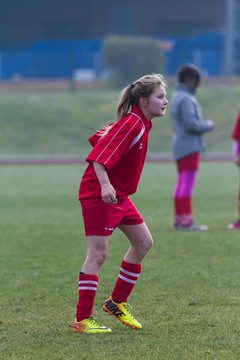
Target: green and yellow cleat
[[122, 311], [90, 326]]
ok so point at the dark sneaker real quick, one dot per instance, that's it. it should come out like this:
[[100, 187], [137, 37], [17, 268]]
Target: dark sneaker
[[122, 311]]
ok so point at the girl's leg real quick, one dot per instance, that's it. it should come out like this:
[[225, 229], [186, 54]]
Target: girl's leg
[[177, 201], [88, 278], [236, 224], [97, 248], [141, 242], [238, 204], [183, 197]]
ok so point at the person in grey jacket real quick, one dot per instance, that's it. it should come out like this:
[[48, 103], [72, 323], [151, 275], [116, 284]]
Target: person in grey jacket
[[188, 129]]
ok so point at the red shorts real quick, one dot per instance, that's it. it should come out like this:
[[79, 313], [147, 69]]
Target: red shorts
[[188, 163], [102, 219]]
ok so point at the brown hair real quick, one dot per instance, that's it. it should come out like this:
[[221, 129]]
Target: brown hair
[[143, 87], [131, 94]]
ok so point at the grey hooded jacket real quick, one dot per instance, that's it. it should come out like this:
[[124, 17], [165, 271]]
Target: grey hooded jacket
[[187, 122]]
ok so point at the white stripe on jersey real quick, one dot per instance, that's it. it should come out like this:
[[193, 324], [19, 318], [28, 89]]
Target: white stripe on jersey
[[141, 132], [121, 142], [137, 137], [113, 138]]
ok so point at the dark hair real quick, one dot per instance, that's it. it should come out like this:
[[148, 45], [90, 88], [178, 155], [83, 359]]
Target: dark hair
[[143, 87], [189, 71]]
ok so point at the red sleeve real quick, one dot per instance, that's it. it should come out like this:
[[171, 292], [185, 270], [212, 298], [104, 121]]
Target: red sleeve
[[111, 147], [236, 129]]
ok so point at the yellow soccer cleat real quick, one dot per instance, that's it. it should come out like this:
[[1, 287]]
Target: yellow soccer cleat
[[122, 311], [90, 326]]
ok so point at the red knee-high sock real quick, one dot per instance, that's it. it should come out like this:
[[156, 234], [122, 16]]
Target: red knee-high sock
[[177, 210], [86, 294], [126, 280], [186, 206]]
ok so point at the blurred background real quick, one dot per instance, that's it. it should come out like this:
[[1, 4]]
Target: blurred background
[[59, 39], [91, 49]]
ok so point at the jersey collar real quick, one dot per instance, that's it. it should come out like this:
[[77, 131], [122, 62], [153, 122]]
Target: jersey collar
[[138, 112]]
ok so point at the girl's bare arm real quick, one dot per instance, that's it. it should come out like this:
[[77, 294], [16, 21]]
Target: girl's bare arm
[[108, 192]]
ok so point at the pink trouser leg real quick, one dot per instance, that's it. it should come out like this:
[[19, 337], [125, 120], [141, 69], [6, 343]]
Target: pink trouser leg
[[183, 197]]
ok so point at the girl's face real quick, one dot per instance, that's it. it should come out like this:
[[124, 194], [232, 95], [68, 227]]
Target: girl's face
[[156, 104]]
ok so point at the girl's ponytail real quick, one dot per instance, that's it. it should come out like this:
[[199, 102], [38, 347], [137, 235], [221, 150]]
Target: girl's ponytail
[[125, 102], [143, 87]]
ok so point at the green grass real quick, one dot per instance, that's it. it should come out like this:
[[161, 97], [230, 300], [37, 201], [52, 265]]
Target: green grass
[[61, 122], [51, 123], [187, 297]]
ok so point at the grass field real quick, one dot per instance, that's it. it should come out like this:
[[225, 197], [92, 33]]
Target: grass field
[[61, 122], [187, 297]]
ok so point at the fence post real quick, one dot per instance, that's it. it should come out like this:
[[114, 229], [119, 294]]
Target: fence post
[[230, 37]]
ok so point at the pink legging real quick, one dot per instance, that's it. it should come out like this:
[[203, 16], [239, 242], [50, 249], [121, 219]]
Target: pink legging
[[185, 184], [183, 197]]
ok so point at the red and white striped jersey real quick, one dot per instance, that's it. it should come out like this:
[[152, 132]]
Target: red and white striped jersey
[[122, 151], [236, 129]]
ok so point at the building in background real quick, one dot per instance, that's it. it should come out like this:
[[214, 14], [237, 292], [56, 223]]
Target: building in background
[[70, 19], [56, 38]]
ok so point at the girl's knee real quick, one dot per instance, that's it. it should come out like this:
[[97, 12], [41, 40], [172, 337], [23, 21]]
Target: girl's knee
[[100, 258], [145, 245], [149, 243], [97, 258]]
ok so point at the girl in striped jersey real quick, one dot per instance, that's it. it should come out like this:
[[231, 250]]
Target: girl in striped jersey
[[114, 169], [236, 148]]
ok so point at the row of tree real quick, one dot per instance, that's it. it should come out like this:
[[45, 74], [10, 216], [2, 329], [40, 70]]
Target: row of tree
[[128, 58]]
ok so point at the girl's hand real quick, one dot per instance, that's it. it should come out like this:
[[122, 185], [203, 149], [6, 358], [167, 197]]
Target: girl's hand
[[108, 194], [211, 124]]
